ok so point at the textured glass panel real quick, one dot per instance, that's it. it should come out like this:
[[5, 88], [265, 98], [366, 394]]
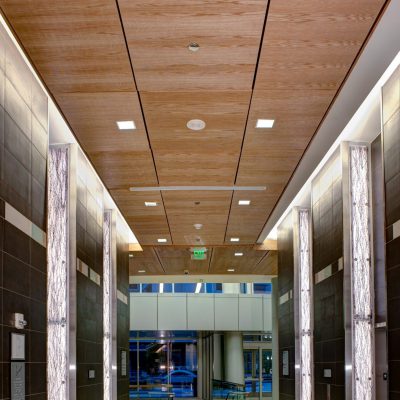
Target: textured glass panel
[[57, 280], [361, 275], [107, 290], [305, 307]]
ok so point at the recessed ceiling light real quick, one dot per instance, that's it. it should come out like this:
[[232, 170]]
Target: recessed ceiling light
[[265, 123], [196, 124], [193, 46], [130, 255], [141, 271], [231, 270], [235, 239], [244, 202], [238, 254], [198, 226], [150, 203], [162, 240], [126, 125]]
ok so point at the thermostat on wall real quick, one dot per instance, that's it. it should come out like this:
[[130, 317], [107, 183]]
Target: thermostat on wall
[[327, 373]]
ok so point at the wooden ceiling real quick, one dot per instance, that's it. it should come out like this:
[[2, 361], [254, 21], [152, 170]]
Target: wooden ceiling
[[110, 60], [175, 260]]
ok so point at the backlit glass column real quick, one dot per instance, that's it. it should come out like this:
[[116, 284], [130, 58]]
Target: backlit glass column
[[109, 308], [61, 255], [303, 304], [361, 274]]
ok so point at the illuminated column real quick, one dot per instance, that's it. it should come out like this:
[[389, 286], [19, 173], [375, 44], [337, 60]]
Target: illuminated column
[[109, 306], [61, 279], [275, 340], [303, 303], [358, 272]]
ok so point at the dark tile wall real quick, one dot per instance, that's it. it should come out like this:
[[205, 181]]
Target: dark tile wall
[[23, 153], [391, 154], [89, 241], [286, 309], [122, 309], [327, 218]]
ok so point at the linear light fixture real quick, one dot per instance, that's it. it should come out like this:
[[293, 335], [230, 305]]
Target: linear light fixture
[[141, 271], [201, 188], [150, 203], [238, 254], [231, 270], [126, 125], [265, 123], [244, 202], [235, 239], [162, 240]]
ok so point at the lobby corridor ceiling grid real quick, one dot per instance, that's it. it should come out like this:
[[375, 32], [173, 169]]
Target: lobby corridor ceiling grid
[[105, 61]]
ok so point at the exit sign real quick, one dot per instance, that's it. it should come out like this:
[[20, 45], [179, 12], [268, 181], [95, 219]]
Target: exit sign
[[199, 253]]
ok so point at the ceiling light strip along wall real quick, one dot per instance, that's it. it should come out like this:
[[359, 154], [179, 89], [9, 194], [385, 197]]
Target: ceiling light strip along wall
[[201, 188], [61, 278], [109, 306], [303, 303], [361, 274]]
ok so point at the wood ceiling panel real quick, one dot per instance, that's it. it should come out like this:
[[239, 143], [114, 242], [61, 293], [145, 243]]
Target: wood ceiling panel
[[312, 44], [183, 213], [76, 45], [246, 222], [93, 117], [145, 260], [123, 169], [186, 157], [176, 260], [228, 32], [147, 223], [224, 258], [268, 265]]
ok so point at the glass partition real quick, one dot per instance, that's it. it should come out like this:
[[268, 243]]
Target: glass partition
[[163, 365]]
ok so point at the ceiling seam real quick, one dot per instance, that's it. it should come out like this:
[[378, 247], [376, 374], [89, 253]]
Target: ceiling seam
[[248, 112], [261, 260], [159, 259], [211, 256], [368, 36], [142, 111]]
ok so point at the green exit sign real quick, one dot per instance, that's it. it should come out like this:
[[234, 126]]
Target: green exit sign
[[199, 254]]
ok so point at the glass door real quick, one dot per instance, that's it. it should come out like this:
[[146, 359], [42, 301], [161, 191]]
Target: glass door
[[252, 372], [258, 372]]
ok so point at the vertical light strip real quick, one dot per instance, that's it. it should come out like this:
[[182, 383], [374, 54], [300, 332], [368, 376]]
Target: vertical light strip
[[305, 303], [361, 273], [107, 306], [57, 278]]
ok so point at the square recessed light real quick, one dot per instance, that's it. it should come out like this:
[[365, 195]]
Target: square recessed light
[[150, 203], [231, 270], [141, 271], [126, 125], [265, 123], [162, 240], [244, 202], [238, 254], [235, 239]]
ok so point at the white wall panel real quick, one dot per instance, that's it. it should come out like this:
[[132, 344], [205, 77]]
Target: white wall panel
[[203, 312], [172, 311], [200, 312], [227, 312], [143, 315], [251, 313], [267, 310]]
